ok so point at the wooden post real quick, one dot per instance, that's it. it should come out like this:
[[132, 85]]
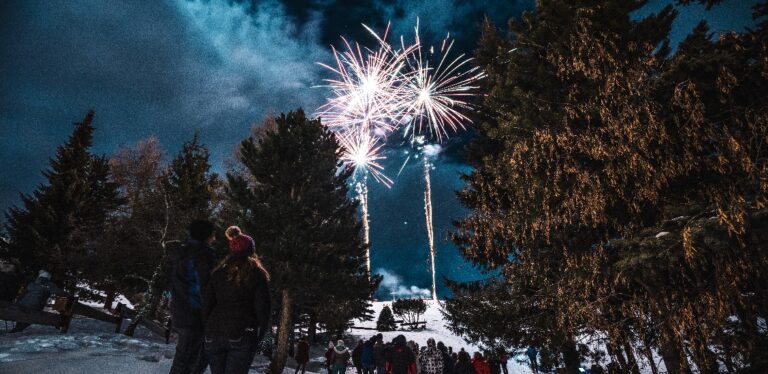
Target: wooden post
[[66, 316]]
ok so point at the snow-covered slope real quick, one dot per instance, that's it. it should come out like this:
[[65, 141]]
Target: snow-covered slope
[[436, 328]]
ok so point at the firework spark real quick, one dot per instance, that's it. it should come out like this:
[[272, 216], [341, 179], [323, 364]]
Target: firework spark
[[361, 150], [436, 92]]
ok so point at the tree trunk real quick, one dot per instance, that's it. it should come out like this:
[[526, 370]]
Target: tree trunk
[[615, 352], [280, 357], [673, 355], [312, 329], [631, 361], [649, 356]]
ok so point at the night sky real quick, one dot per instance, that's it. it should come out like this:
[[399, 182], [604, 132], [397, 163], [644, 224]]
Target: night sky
[[170, 68]]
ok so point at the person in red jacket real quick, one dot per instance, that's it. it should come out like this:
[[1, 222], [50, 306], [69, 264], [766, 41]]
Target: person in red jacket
[[479, 364]]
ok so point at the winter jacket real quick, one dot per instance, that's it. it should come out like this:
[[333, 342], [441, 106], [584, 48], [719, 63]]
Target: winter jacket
[[231, 309], [447, 362], [431, 361], [190, 268], [340, 356], [366, 355], [400, 359], [302, 352], [494, 365], [481, 367], [463, 365], [356, 356], [329, 356], [37, 293], [9, 286], [379, 355]]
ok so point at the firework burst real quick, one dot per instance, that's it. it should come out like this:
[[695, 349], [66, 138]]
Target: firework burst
[[437, 89]]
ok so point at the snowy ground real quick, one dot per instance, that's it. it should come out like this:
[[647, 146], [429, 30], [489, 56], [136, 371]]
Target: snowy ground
[[436, 328], [92, 346]]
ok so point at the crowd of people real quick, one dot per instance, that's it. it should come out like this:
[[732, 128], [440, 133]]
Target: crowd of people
[[374, 356]]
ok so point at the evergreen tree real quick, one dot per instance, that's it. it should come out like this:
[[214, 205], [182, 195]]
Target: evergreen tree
[[619, 191], [190, 185], [54, 229], [294, 201], [386, 321]]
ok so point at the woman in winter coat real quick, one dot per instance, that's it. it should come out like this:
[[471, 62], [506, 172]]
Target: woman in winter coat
[[236, 308], [341, 357], [479, 364], [302, 355]]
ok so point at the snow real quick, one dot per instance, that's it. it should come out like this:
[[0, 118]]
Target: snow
[[92, 346], [436, 328]]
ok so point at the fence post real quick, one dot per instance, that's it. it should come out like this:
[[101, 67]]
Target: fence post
[[66, 316]]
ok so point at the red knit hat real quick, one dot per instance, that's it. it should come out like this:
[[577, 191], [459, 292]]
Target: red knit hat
[[242, 245]]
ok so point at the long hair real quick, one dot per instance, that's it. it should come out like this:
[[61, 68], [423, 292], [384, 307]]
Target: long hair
[[240, 268]]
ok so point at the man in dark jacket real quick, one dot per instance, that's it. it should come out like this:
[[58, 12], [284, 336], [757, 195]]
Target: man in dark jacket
[[447, 359], [36, 296], [190, 270], [400, 358], [379, 355], [357, 357]]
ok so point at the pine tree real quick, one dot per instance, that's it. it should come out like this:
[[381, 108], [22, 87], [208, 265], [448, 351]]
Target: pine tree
[[55, 226], [294, 200], [386, 321], [191, 185]]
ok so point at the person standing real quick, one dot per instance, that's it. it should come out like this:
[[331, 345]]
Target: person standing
[[236, 308], [493, 363], [479, 364], [329, 356], [366, 357], [36, 296], [532, 358], [302, 355], [379, 355], [340, 359], [431, 359], [401, 359], [503, 359], [357, 358], [463, 364], [190, 270], [447, 359]]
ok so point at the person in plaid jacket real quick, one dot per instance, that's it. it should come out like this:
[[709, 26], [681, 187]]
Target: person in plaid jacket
[[431, 360]]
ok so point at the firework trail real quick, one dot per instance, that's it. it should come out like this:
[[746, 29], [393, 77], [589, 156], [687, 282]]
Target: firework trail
[[428, 216], [435, 94]]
